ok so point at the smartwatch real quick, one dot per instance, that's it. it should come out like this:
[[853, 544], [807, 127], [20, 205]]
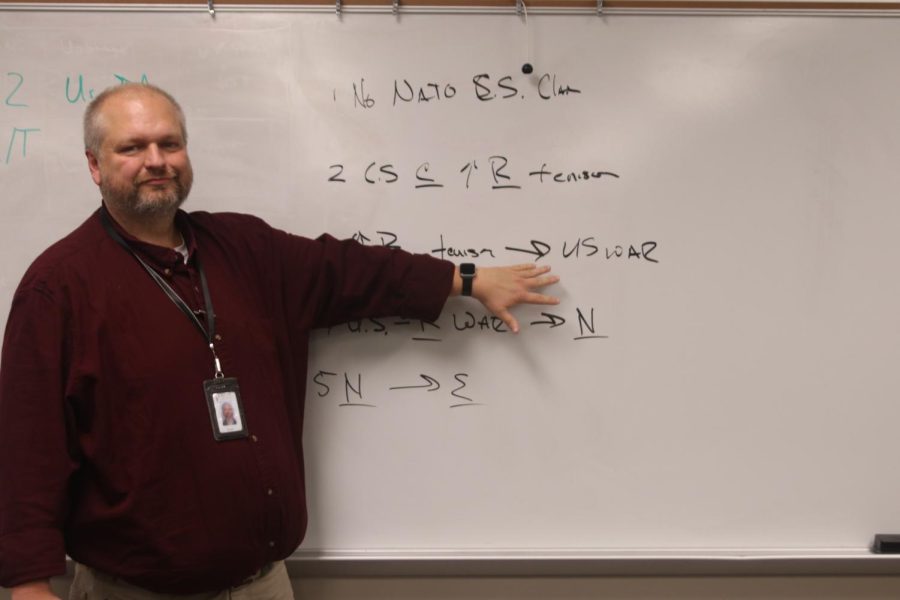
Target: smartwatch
[[467, 273]]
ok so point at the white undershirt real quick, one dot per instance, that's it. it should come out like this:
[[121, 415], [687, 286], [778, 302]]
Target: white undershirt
[[182, 250]]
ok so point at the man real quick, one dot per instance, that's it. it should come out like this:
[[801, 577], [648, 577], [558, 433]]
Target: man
[[121, 334], [228, 415]]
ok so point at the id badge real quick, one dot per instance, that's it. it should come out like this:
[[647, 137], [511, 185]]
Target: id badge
[[223, 396]]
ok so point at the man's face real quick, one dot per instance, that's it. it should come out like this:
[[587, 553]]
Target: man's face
[[143, 168], [227, 412]]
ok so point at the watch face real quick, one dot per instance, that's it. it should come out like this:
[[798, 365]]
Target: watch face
[[467, 269]]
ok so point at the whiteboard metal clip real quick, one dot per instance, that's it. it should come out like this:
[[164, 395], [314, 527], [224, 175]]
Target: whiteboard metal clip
[[337, 8], [599, 8], [396, 8], [522, 10], [211, 8]]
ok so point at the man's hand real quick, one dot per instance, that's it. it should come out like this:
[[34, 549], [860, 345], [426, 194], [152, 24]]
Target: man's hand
[[35, 590], [501, 288]]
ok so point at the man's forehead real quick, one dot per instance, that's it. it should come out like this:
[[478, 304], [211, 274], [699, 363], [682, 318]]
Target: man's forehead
[[136, 102], [132, 110]]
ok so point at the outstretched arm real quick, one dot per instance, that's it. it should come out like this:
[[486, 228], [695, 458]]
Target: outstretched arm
[[501, 288]]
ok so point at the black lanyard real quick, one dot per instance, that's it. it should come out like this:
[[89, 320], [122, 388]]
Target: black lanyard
[[209, 331]]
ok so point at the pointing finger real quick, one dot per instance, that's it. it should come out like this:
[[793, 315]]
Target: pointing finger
[[509, 320]]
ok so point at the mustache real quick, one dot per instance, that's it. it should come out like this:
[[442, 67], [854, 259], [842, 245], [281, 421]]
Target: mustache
[[167, 176]]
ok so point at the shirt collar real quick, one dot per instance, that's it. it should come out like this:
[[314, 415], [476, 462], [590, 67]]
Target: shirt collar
[[161, 256]]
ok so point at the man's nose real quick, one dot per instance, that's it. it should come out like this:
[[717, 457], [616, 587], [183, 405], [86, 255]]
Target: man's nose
[[153, 158]]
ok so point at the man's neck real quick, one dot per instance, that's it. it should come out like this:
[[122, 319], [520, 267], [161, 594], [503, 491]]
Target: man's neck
[[158, 230]]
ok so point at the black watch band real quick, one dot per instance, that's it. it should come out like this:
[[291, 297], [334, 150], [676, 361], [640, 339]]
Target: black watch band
[[467, 273]]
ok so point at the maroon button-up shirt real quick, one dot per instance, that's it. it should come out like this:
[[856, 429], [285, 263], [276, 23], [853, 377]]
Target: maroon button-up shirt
[[106, 446]]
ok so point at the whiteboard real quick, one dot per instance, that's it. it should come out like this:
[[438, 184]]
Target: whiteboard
[[718, 194]]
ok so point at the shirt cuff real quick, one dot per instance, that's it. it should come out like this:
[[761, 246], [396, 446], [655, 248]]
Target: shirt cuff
[[31, 555], [427, 290]]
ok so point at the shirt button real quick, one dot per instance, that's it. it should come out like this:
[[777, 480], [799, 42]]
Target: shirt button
[[218, 337], [270, 491], [168, 272], [271, 544], [254, 438]]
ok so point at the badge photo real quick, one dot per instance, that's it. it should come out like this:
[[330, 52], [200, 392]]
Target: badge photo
[[223, 396]]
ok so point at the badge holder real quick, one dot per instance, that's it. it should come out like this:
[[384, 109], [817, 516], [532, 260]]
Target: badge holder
[[223, 397]]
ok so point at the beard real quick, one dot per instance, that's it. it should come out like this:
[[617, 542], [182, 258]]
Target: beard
[[142, 200]]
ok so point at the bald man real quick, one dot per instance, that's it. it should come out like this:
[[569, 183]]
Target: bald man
[[120, 336]]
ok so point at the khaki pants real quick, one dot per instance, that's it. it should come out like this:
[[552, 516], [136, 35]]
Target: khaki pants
[[92, 585]]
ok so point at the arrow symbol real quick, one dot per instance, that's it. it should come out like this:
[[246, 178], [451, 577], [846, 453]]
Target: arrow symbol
[[552, 320], [538, 248], [430, 382]]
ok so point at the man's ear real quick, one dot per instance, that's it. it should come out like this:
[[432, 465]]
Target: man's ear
[[94, 166]]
